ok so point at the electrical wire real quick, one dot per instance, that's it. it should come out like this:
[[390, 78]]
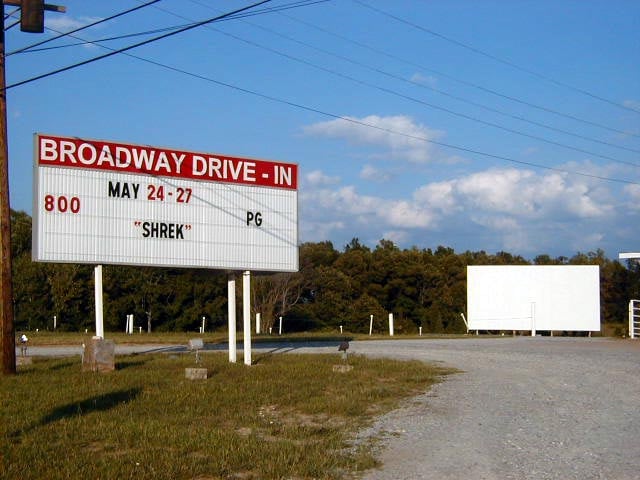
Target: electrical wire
[[6, 29], [279, 8], [309, 2], [101, 40], [462, 81], [437, 90], [11, 14], [335, 116], [82, 28], [131, 47], [30, 49], [413, 99], [355, 121], [495, 58]]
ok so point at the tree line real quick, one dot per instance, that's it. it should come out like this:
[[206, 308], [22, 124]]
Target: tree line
[[421, 287]]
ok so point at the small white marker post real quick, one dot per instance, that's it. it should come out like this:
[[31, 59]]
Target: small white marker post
[[258, 326], [231, 312], [533, 319], [55, 322], [464, 319], [280, 328], [203, 324], [370, 324], [391, 324]]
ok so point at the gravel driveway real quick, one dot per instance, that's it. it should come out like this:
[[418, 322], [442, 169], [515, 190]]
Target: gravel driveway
[[524, 408]]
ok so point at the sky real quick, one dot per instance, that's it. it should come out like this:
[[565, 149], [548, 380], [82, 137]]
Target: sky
[[492, 125]]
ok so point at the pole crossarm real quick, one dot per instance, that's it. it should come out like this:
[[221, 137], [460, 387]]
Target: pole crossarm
[[47, 6]]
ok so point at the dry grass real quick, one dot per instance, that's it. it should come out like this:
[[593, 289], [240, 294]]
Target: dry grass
[[290, 416]]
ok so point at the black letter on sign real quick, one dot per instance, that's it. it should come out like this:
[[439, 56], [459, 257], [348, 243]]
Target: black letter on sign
[[255, 218]]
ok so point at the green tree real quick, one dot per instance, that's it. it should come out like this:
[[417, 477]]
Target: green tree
[[71, 295]]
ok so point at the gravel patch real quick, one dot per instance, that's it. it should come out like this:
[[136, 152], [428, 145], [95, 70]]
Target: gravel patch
[[522, 408]]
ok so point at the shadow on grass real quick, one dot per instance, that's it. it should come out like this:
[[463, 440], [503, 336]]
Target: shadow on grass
[[277, 348], [130, 363], [98, 403], [265, 355], [64, 364]]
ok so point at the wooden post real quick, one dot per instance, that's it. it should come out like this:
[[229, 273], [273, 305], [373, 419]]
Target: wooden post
[[6, 292]]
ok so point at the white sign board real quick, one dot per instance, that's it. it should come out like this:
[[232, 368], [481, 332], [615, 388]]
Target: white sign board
[[533, 297], [104, 202]]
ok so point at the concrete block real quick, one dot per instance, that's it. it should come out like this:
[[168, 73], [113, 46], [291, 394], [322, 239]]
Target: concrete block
[[99, 355], [24, 361], [342, 368], [196, 373]]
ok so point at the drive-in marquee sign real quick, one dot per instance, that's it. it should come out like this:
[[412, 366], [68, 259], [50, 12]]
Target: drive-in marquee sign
[[114, 203]]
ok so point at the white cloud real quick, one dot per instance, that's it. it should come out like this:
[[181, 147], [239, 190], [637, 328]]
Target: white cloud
[[399, 135], [347, 206], [398, 237], [504, 191], [525, 193], [406, 214], [633, 192], [428, 80], [318, 178], [374, 174], [521, 211], [66, 23], [634, 104], [439, 196], [320, 231]]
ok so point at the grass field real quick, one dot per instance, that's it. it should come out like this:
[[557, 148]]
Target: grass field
[[48, 338], [286, 417]]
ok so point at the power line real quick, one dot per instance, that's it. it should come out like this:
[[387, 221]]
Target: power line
[[82, 28], [130, 47], [462, 81], [11, 14], [413, 99], [497, 59], [442, 92], [6, 29], [31, 49], [295, 4], [100, 40], [368, 125], [339, 117], [279, 8]]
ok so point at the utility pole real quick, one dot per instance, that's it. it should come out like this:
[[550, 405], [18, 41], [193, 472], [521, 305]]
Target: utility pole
[[31, 20], [6, 292]]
